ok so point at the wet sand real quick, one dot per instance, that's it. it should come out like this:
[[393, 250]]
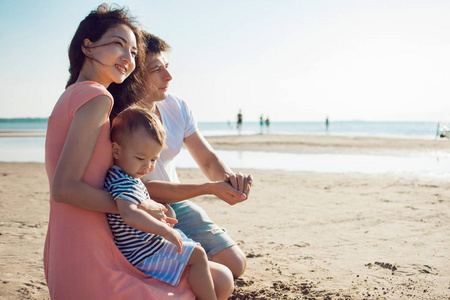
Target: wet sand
[[330, 144]]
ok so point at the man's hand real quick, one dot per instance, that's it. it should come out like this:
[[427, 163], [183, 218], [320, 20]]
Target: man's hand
[[240, 182], [234, 189]]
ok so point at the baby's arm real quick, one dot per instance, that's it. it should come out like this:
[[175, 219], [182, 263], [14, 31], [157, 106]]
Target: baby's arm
[[140, 220], [159, 211]]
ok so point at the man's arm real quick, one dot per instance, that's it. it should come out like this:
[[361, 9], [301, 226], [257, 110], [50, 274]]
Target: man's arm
[[167, 192], [229, 186], [213, 166]]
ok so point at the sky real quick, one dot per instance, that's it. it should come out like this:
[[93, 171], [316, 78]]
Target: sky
[[291, 60]]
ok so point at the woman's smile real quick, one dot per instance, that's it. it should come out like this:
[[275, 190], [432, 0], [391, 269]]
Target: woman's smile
[[121, 69]]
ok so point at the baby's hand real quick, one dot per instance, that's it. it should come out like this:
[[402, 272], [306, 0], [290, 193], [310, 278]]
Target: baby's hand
[[175, 238], [170, 221], [153, 208]]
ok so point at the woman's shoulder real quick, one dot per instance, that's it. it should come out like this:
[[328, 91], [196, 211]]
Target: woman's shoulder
[[87, 88], [78, 94], [82, 92]]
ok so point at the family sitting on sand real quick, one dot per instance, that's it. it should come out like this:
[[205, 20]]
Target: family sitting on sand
[[115, 65]]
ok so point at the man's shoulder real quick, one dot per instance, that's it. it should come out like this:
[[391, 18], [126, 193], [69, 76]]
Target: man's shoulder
[[175, 106], [172, 100]]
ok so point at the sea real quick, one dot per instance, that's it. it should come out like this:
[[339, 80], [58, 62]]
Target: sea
[[23, 140]]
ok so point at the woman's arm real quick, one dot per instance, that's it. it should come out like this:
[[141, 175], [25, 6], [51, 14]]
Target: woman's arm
[[67, 185]]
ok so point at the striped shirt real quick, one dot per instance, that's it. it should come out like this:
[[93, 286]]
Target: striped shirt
[[134, 244]]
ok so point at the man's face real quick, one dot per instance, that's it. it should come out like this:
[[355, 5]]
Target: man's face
[[158, 76]]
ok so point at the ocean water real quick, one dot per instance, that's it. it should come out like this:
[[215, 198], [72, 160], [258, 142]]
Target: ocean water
[[28, 124], [31, 149], [425, 130]]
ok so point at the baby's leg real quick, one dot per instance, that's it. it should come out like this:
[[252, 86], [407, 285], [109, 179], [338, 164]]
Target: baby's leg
[[223, 280], [199, 275]]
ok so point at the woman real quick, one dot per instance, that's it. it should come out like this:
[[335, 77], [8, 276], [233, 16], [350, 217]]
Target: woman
[[80, 258]]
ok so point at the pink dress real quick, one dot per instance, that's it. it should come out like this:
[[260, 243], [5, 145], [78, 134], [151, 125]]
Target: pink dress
[[80, 258]]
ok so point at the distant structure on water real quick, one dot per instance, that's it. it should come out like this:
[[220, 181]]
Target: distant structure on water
[[443, 131]]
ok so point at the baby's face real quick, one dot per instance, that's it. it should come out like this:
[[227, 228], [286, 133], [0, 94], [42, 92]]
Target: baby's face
[[137, 154]]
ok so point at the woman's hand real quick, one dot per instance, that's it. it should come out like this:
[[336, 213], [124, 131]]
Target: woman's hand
[[156, 210]]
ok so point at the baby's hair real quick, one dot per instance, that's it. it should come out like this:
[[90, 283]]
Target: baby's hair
[[134, 117]]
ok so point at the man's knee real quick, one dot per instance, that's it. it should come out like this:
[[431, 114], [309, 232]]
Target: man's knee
[[233, 258]]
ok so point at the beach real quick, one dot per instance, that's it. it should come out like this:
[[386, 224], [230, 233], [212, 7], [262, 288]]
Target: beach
[[307, 235]]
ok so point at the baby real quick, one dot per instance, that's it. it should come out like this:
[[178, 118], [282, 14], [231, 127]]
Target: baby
[[151, 245]]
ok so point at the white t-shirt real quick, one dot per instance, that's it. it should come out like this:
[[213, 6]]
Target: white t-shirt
[[179, 123]]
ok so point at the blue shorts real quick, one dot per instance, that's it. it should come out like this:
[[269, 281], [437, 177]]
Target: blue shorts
[[195, 223], [167, 264]]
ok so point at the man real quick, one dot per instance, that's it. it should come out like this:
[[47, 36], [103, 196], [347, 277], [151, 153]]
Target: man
[[181, 127]]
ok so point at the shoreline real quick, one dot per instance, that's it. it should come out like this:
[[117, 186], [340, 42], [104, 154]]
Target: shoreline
[[329, 144], [314, 143], [22, 133]]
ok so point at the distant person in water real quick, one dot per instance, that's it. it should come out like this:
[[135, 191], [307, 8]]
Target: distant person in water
[[268, 124], [239, 121], [327, 123], [261, 123]]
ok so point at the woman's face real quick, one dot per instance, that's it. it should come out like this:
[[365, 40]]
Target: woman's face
[[112, 56], [158, 76]]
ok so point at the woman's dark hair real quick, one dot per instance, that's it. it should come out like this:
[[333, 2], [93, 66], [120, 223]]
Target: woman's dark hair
[[93, 27], [153, 46]]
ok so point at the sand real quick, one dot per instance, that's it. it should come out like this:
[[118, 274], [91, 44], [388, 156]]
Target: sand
[[306, 235]]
